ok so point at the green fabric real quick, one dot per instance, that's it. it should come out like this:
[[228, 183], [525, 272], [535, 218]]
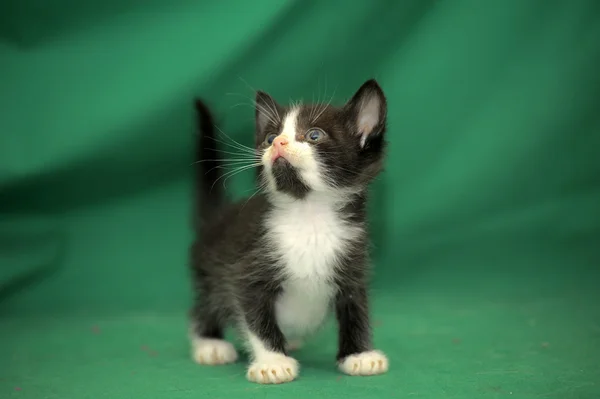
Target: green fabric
[[486, 222]]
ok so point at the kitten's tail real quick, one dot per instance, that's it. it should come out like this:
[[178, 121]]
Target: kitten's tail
[[209, 195]]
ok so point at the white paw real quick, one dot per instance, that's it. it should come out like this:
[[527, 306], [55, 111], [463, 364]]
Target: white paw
[[293, 345], [366, 363], [213, 351], [273, 369]]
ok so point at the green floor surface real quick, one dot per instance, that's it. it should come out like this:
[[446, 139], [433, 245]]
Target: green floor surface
[[498, 316], [523, 341]]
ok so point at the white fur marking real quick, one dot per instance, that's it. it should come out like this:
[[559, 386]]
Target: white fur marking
[[213, 351], [303, 306], [289, 124], [366, 363], [310, 236], [270, 367]]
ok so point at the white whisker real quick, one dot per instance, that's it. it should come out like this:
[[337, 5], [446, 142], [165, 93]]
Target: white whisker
[[225, 160], [318, 105], [232, 173], [246, 150], [260, 188], [315, 107], [232, 140], [229, 166], [235, 153], [268, 110], [272, 107], [266, 113], [237, 171], [312, 101], [325, 106]]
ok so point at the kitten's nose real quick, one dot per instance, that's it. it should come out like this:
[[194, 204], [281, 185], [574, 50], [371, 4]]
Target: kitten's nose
[[280, 141]]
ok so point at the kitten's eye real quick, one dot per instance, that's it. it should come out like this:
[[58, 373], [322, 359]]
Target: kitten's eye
[[270, 138], [314, 134]]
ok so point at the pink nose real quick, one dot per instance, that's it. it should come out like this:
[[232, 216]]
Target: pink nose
[[279, 142]]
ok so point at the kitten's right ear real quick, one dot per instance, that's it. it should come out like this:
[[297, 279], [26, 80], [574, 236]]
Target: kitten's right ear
[[367, 111], [267, 111]]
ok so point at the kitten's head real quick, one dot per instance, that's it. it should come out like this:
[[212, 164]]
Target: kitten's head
[[319, 147]]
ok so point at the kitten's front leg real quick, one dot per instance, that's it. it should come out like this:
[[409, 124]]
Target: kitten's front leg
[[270, 364], [355, 354]]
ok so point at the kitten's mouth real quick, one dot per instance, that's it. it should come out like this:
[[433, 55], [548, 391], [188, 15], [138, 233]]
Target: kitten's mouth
[[282, 167], [287, 178], [281, 161]]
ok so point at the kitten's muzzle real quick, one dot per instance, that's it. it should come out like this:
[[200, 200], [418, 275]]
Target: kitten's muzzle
[[279, 145]]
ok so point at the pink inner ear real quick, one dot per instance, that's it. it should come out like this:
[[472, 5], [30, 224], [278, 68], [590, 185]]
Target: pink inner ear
[[368, 118]]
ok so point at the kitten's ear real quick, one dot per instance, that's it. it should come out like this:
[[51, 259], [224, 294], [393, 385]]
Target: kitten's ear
[[267, 111], [367, 111]]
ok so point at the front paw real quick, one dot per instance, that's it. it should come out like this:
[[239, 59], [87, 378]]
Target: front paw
[[365, 363], [213, 351], [273, 369]]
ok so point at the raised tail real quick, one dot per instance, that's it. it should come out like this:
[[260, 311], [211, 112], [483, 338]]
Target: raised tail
[[209, 196]]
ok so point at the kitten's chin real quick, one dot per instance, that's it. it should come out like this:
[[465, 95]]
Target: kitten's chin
[[287, 179], [281, 162], [282, 168]]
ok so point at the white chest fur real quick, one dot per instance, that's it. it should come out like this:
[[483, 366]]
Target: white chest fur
[[309, 236]]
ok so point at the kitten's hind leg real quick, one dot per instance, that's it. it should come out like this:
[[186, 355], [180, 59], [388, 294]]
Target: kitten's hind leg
[[206, 336]]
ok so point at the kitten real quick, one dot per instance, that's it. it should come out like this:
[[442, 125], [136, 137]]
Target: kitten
[[275, 265]]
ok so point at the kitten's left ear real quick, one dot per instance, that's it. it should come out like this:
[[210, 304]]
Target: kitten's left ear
[[267, 111], [367, 111]]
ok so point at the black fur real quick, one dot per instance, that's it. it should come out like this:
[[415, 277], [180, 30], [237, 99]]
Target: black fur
[[237, 281], [288, 181], [208, 168]]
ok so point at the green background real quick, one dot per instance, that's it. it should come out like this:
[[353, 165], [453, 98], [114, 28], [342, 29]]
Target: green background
[[486, 223]]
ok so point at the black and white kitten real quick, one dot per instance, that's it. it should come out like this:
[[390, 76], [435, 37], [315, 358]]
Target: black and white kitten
[[275, 265]]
